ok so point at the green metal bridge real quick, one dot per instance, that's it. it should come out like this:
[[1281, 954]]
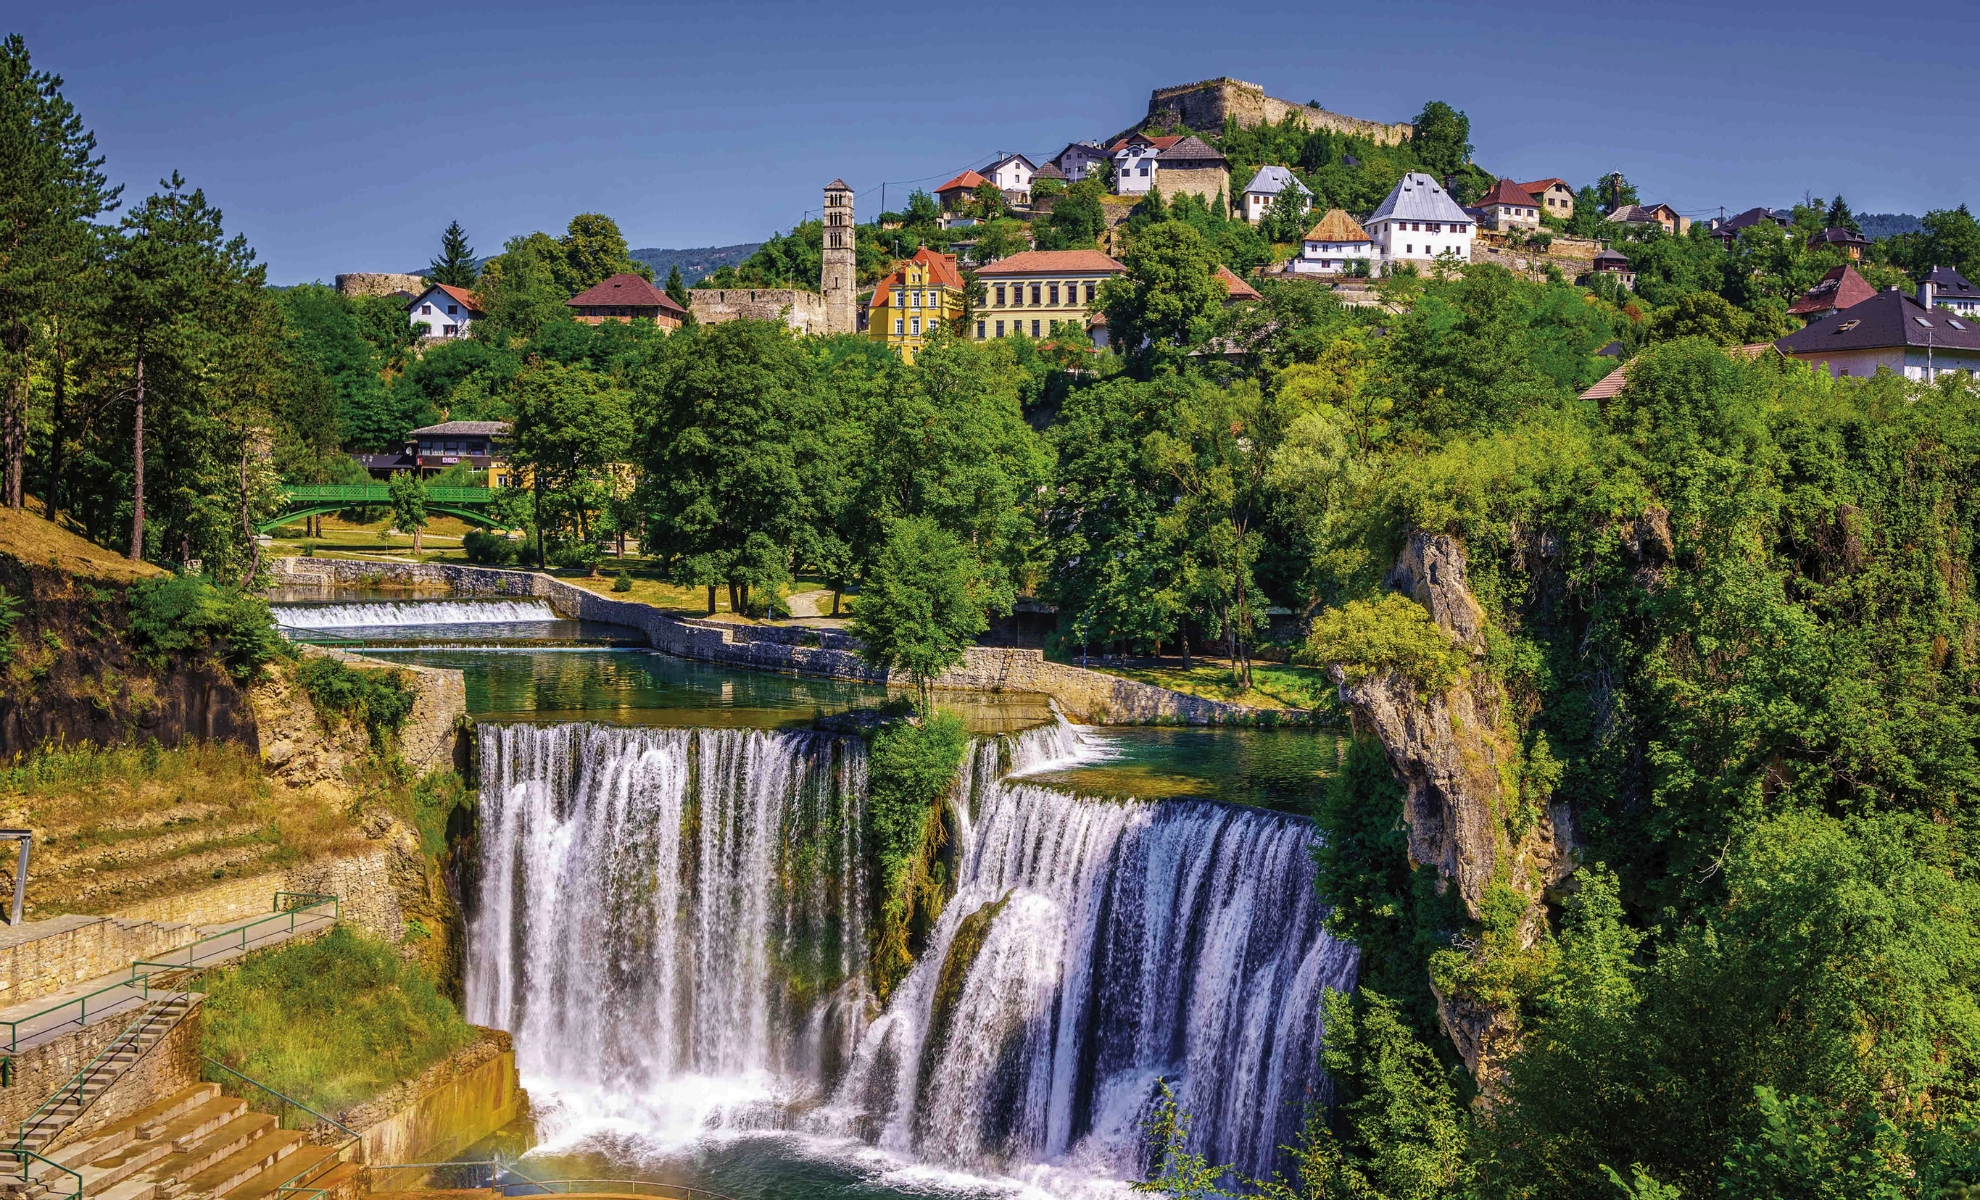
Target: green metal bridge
[[470, 504]]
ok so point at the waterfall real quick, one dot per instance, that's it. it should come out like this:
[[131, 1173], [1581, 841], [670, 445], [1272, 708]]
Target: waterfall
[[676, 921], [379, 614]]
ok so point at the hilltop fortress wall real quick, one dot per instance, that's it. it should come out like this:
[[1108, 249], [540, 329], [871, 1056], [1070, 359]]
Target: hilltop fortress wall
[[1206, 104]]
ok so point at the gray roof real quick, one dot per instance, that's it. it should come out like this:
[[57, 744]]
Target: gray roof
[[1191, 149], [1010, 158], [467, 428], [1951, 284], [1270, 181], [1886, 321], [1417, 197]]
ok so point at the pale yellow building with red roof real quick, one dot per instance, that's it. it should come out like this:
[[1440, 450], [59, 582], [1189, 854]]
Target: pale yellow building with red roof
[[1029, 293], [919, 296]]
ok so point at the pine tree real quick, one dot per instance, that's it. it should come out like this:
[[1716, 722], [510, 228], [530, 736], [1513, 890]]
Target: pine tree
[[50, 189], [455, 266], [676, 290], [1840, 217]]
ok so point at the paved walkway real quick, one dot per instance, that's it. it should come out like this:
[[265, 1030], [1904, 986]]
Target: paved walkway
[[79, 1006]]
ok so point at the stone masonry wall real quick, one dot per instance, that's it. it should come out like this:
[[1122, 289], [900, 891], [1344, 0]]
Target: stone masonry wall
[[1205, 184], [41, 957], [803, 311], [1093, 697], [452, 1105], [169, 1066], [378, 283], [368, 897], [1205, 104]]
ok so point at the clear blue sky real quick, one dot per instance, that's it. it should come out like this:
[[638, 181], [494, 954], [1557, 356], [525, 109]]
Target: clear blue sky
[[343, 137]]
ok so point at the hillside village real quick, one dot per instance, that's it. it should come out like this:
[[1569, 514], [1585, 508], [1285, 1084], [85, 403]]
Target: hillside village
[[1022, 245]]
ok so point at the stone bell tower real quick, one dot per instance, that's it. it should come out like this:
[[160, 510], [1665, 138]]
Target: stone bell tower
[[839, 277]]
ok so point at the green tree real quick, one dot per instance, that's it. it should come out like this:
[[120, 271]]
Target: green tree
[[523, 290], [1286, 220], [921, 605], [1441, 139], [1078, 218], [1180, 1173], [921, 212], [51, 188], [570, 425], [1399, 1131], [455, 265], [1839, 216], [676, 290], [594, 250], [408, 494], [1170, 291]]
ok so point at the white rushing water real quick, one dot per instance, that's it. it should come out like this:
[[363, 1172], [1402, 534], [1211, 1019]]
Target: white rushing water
[[674, 925], [385, 613]]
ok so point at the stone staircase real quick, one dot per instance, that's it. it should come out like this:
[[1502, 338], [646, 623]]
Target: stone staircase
[[195, 1145], [153, 1023]]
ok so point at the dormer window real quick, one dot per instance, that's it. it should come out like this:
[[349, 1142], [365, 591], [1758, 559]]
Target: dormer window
[[1846, 326]]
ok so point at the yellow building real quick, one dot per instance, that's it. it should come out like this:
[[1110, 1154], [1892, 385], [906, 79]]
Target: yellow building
[[908, 305], [1031, 292]]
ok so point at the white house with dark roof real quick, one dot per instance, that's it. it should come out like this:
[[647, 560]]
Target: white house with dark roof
[[1080, 159], [1264, 189], [1890, 331], [1418, 221], [1951, 290], [1012, 174]]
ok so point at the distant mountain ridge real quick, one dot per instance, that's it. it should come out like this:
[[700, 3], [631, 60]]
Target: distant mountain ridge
[[1883, 225], [695, 263]]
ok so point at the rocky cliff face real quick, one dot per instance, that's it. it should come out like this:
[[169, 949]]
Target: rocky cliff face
[[1456, 755], [73, 678]]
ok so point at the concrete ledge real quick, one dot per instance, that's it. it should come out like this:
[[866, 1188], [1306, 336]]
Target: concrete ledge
[[1093, 697], [453, 1104]]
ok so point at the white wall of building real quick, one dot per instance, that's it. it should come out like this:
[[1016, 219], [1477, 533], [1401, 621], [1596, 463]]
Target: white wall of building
[[1134, 169], [1334, 258], [432, 311], [1420, 241]]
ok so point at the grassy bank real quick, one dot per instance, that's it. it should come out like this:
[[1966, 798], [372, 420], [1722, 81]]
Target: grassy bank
[[331, 1022], [1273, 685], [116, 825]]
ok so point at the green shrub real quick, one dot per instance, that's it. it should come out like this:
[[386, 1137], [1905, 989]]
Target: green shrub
[[909, 769], [309, 549], [435, 799], [488, 549], [184, 614], [377, 698], [1394, 633], [623, 582], [331, 1022], [10, 612]]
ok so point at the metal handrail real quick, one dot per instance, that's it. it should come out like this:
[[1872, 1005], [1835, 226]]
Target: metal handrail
[[192, 960], [80, 1078], [312, 899], [380, 493], [23, 1154], [568, 1185], [279, 1096], [14, 1026]]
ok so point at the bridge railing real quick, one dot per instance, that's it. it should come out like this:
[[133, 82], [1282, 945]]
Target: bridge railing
[[379, 493]]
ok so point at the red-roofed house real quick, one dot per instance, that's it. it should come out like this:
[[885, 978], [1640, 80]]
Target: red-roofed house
[[1841, 288], [1508, 206], [1135, 157], [1555, 196], [625, 297], [444, 311], [1236, 291], [1031, 292], [910, 304], [956, 193]]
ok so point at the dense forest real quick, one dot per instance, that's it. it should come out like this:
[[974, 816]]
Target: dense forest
[[1727, 635]]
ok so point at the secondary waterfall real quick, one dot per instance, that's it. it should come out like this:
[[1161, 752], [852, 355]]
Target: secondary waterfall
[[674, 924], [380, 614]]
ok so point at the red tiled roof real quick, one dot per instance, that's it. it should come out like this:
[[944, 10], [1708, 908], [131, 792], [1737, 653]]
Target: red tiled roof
[[882, 290], [625, 289], [1160, 143], [968, 181], [1235, 288], [1839, 289], [1047, 262], [942, 271], [1507, 192], [1541, 185], [1608, 385], [462, 295]]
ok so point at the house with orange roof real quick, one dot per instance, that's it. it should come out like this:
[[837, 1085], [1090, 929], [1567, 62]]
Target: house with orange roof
[[1033, 292], [1555, 196], [956, 193], [1336, 245], [444, 311], [917, 298], [1508, 206], [1236, 291]]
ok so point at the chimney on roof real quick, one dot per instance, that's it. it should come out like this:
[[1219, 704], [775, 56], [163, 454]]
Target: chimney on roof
[[1926, 294]]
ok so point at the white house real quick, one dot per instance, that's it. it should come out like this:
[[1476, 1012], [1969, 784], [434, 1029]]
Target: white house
[[1134, 161], [1264, 189], [1418, 221], [1012, 175], [1336, 246], [445, 311], [1078, 160], [1950, 290]]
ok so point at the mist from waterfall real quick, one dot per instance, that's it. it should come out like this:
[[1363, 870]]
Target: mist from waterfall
[[674, 925]]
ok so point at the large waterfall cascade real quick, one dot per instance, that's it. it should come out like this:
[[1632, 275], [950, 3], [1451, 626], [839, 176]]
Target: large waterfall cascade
[[674, 923]]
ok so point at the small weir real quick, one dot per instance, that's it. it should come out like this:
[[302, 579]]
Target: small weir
[[381, 614]]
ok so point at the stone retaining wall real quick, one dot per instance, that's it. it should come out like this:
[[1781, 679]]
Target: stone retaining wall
[[453, 1104], [803, 311], [169, 1066], [363, 882], [1093, 697], [41, 957]]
